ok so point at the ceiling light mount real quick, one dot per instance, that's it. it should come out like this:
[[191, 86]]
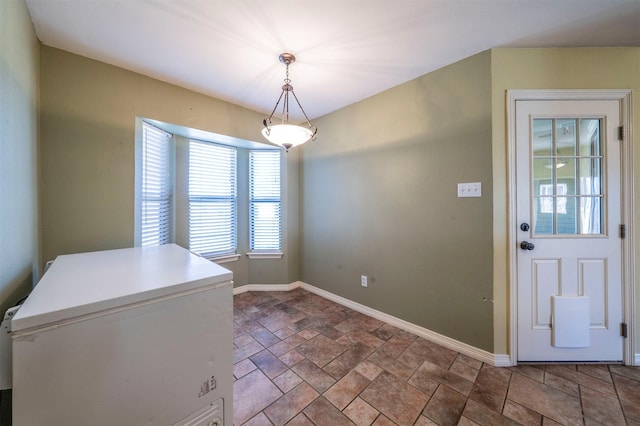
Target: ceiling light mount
[[285, 134], [287, 58]]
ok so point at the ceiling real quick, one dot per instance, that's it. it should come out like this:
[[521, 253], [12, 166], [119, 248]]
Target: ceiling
[[346, 50]]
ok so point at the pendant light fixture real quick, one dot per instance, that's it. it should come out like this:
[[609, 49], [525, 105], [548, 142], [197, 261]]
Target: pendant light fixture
[[558, 164], [282, 133]]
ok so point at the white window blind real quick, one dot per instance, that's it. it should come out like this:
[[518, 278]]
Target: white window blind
[[157, 186], [212, 199], [264, 200]]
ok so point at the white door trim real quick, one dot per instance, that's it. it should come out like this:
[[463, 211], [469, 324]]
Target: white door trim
[[628, 284]]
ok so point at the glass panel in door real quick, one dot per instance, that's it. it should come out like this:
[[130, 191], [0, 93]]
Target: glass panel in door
[[567, 187]]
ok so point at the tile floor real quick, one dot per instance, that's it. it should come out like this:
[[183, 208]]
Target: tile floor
[[300, 359]]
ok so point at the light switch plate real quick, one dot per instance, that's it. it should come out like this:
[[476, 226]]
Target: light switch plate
[[473, 189]]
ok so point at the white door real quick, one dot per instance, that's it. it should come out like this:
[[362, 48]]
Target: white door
[[569, 261]]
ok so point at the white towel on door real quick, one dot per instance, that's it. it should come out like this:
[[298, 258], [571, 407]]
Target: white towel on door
[[570, 321]]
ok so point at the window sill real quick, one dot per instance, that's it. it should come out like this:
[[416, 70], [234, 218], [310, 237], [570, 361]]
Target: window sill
[[265, 255], [225, 259]]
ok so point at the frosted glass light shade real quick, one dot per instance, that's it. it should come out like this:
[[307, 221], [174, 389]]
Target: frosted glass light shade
[[287, 135], [559, 164]]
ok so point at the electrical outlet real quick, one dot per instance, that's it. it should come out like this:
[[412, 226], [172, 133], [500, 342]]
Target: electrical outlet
[[363, 280]]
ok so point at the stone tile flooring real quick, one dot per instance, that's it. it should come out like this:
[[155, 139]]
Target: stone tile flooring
[[300, 359]]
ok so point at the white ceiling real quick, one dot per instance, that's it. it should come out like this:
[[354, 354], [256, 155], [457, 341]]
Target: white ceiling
[[346, 50]]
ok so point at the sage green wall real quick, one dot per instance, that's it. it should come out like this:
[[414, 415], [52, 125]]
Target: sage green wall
[[88, 112], [19, 67], [379, 198], [575, 68]]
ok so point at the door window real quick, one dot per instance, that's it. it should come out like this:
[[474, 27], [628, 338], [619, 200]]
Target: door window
[[568, 192]]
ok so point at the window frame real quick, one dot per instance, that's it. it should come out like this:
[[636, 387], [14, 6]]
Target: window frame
[[181, 136], [273, 252], [221, 193], [142, 196]]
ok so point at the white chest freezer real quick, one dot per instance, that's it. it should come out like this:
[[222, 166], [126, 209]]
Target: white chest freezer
[[139, 336]]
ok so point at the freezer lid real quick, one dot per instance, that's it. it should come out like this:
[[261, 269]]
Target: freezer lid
[[86, 283]]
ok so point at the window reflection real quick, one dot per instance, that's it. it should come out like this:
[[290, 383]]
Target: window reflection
[[567, 172]]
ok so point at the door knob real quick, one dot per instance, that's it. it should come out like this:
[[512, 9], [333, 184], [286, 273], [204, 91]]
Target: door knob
[[524, 226], [526, 245]]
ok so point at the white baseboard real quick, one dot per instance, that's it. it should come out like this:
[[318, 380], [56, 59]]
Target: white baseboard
[[637, 360], [502, 360], [497, 360], [265, 287]]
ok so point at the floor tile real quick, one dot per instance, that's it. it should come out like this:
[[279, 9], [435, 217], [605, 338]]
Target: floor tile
[[464, 370], [393, 366], [243, 368], [394, 398], [471, 362], [366, 338], [598, 371], [270, 365], [394, 347], [250, 325], [368, 323], [521, 414], [348, 325], [356, 352], [368, 370], [631, 412], [304, 325], [252, 394], [383, 420], [246, 351], [545, 400], [533, 372], [336, 369], [288, 406], [377, 374], [601, 407], [481, 415], [244, 300], [313, 375], [422, 350], [259, 420], [423, 421], [386, 332], [570, 373], [490, 388], [561, 384], [287, 381], [322, 412], [346, 389], [445, 406], [243, 340], [283, 333], [238, 330], [361, 413], [628, 389], [286, 345], [327, 330], [630, 372], [320, 350], [300, 420], [429, 375], [264, 337], [465, 421], [276, 318], [291, 358], [308, 333]]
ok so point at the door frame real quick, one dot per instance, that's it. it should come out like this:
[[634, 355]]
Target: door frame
[[626, 184]]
